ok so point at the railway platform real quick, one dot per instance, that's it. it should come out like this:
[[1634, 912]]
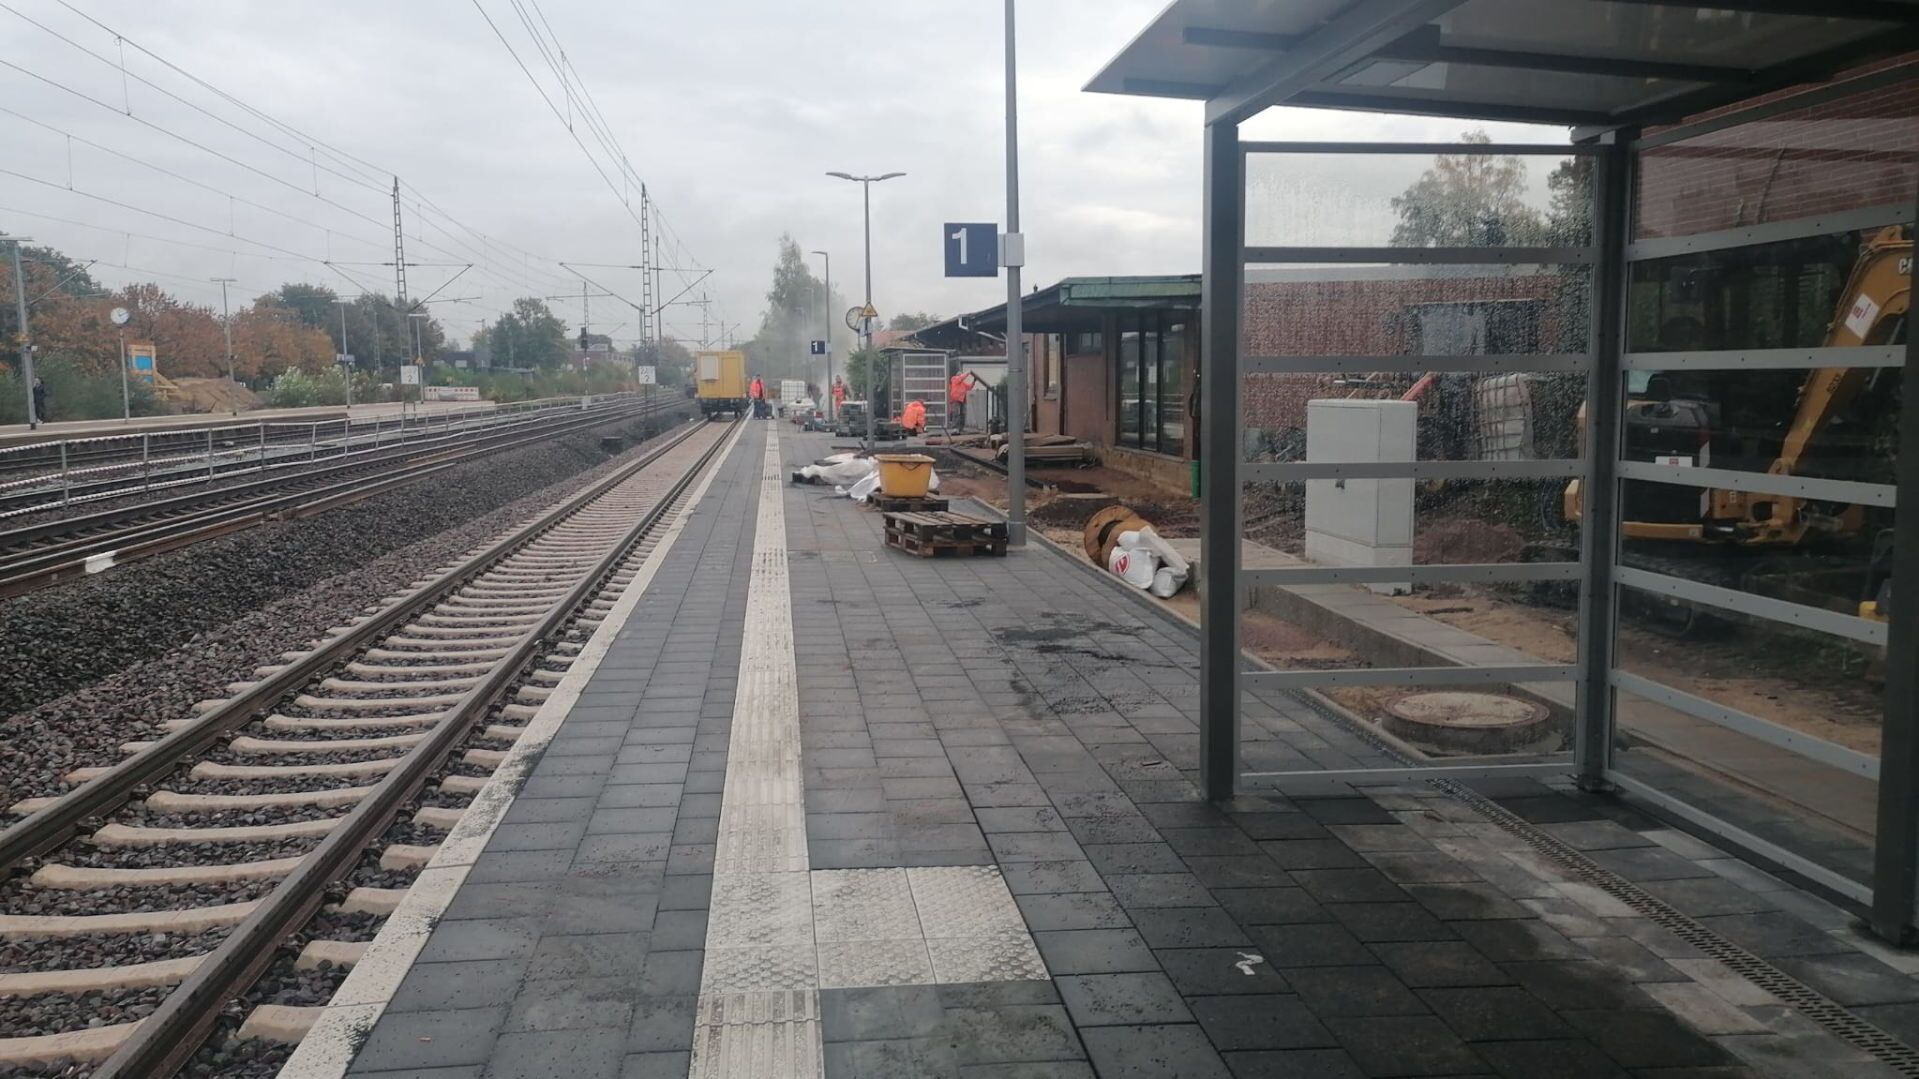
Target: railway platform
[[808, 806], [19, 434]]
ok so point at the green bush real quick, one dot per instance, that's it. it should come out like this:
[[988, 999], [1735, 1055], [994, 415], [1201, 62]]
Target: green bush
[[72, 394]]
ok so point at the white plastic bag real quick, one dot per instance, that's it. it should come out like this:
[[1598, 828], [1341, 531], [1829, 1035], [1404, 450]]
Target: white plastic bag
[[862, 490], [1134, 566], [842, 472], [1167, 582]]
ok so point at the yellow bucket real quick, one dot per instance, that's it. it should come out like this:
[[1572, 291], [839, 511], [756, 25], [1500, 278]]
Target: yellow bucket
[[905, 475]]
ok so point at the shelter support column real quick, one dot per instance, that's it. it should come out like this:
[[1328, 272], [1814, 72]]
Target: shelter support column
[[1220, 525], [1895, 871], [1605, 401]]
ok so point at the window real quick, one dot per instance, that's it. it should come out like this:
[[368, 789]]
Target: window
[[1152, 383], [1088, 344], [1053, 344]]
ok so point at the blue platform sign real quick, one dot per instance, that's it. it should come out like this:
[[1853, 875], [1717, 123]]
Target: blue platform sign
[[972, 248], [817, 347]]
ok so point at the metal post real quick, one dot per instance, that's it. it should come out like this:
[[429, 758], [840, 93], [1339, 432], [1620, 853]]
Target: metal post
[[346, 369], [126, 395], [209, 453], [826, 317], [146, 461], [226, 326], [261, 464], [1014, 257], [66, 478], [1220, 510], [1895, 869], [866, 323], [1605, 394], [26, 336]]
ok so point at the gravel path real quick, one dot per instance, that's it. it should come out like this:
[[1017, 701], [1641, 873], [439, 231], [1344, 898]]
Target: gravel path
[[178, 629]]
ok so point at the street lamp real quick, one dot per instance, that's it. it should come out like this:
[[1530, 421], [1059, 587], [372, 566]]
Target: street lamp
[[226, 324], [419, 361], [826, 314], [26, 339], [346, 366], [866, 323]]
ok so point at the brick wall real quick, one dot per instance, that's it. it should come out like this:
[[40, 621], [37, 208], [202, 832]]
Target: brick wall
[[1857, 151]]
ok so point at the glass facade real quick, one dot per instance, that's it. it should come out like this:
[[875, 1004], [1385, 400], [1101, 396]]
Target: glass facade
[[1152, 382]]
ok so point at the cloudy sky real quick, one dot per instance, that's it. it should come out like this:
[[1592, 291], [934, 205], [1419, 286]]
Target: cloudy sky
[[730, 110]]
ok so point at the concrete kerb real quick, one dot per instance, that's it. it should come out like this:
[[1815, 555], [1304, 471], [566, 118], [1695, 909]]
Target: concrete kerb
[[330, 1046]]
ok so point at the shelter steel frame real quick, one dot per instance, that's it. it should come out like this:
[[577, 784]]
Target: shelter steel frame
[[1893, 892]]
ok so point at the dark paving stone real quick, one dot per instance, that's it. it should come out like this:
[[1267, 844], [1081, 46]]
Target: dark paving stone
[[1522, 941], [1377, 922], [1349, 991], [436, 987], [1024, 1032], [542, 1054], [1631, 959], [1072, 910], [588, 1003], [1188, 927], [1648, 863], [1467, 902], [1853, 979], [1592, 835], [1129, 828], [1096, 1000], [1570, 1059], [1289, 946], [1441, 964], [671, 974], [686, 893], [1345, 811], [1202, 972], [1495, 1014], [1271, 906], [1422, 867], [1350, 886], [1775, 936], [1293, 1064], [1381, 838], [1094, 951], [1116, 859], [656, 1066], [589, 955], [1579, 985], [1267, 1021], [664, 1023], [1899, 1020], [1209, 842], [431, 1039], [1702, 897], [1548, 809], [891, 1057], [1239, 872], [1298, 854], [1281, 826], [679, 930], [481, 938], [1158, 889], [1405, 1045], [1011, 847], [1027, 878], [1646, 1039], [1031, 1069], [1173, 1051]]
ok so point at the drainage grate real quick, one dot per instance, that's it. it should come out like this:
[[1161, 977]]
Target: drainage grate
[[1795, 994]]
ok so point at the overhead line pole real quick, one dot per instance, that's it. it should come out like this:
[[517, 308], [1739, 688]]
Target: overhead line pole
[[26, 337], [1013, 253]]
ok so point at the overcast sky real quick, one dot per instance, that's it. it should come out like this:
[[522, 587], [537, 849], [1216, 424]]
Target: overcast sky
[[731, 110]]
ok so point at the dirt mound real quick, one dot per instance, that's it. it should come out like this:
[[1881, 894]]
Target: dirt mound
[[212, 395], [1466, 541]]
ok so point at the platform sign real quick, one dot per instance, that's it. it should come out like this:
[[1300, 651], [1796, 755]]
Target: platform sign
[[972, 248], [409, 374], [140, 361], [647, 375], [817, 348]]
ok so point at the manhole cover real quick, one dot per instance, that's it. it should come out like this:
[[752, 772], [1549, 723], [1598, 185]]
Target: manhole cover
[[1467, 722]]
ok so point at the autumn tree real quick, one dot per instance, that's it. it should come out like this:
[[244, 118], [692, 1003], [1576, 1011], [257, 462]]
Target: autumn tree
[[1469, 200], [530, 335]]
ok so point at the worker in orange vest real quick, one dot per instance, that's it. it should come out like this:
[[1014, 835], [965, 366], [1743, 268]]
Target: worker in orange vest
[[839, 394], [957, 391], [913, 417], [758, 393]]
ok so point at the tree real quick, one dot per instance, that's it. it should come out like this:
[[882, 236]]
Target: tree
[[794, 306], [672, 363], [310, 304], [916, 320], [530, 335], [857, 366], [1469, 200], [269, 339]]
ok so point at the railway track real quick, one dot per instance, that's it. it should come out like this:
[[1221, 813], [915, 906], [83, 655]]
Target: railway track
[[42, 554], [139, 905]]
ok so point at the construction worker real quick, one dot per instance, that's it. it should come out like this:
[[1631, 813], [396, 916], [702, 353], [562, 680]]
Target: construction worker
[[839, 395], [758, 393], [957, 391], [913, 417]]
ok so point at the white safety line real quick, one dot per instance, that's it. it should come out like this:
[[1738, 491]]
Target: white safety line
[[778, 933], [329, 1047]]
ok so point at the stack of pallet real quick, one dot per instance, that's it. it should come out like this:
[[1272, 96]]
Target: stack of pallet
[[1050, 450], [931, 535]]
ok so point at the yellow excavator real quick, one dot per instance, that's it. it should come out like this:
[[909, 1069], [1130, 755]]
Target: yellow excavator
[[1669, 421]]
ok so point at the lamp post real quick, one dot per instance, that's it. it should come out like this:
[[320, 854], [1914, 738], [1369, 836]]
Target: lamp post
[[826, 317], [26, 338], [866, 323], [1015, 257], [226, 325], [346, 366], [419, 360]]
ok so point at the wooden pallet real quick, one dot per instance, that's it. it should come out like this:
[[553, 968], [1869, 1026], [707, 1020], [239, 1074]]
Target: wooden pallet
[[941, 534], [921, 504]]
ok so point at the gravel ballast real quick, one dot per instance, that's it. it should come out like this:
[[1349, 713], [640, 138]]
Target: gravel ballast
[[190, 623]]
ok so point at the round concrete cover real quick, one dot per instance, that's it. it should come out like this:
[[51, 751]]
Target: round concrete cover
[[1466, 710]]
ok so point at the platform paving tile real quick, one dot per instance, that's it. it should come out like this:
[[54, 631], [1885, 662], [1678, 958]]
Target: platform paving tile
[[1020, 714]]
